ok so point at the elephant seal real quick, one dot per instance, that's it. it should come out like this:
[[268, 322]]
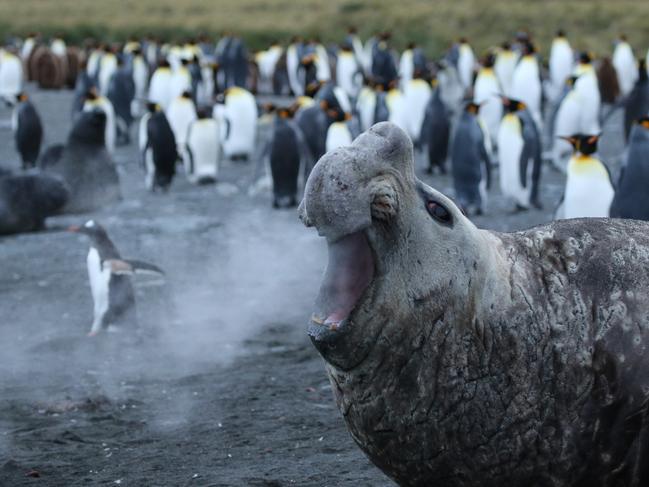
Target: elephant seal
[[464, 357]]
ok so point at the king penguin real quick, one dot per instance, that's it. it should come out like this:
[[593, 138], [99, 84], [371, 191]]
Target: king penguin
[[238, 116], [203, 148], [470, 162], [435, 131], [625, 65], [631, 197], [416, 94], [11, 75], [348, 71], [504, 67], [180, 114], [636, 105], [589, 190], [160, 85], [338, 133], [561, 64], [465, 63], [519, 145], [110, 284], [160, 151], [485, 93], [95, 101], [566, 122], [526, 83], [107, 66], [28, 130]]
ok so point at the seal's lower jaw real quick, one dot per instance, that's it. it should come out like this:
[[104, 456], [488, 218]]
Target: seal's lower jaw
[[349, 273]]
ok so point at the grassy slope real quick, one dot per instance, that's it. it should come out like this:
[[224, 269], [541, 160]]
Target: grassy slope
[[592, 24]]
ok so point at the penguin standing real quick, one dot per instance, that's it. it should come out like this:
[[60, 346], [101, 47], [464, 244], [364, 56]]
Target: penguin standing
[[589, 190], [160, 85], [238, 116], [28, 130], [561, 63], [470, 162], [384, 69], [287, 151], [181, 80], [96, 101], [160, 151], [121, 93], [631, 197], [203, 148], [140, 72], [293, 58], [526, 82], [348, 72], [109, 275], [180, 114], [107, 66], [11, 75], [366, 106], [588, 96], [625, 65], [416, 94], [566, 122], [465, 63], [406, 65], [519, 145], [485, 94], [395, 102], [435, 132], [338, 133], [267, 61], [636, 104], [504, 67]]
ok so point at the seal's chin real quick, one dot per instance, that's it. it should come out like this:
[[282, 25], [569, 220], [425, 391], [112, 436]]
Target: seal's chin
[[349, 273]]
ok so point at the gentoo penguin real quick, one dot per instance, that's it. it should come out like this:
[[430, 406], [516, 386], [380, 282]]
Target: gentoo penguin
[[160, 85], [121, 93], [180, 114], [589, 190], [27, 199], [625, 65], [465, 63], [203, 148], [588, 95], [561, 64], [504, 67], [566, 122], [238, 116], [11, 76], [86, 165], [287, 151], [631, 197], [107, 66], [160, 151], [96, 101], [471, 165], [485, 94], [28, 130], [519, 154], [348, 72], [636, 105], [526, 82], [416, 94], [435, 132], [112, 291]]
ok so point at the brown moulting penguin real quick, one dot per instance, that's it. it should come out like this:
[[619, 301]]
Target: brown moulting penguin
[[463, 357]]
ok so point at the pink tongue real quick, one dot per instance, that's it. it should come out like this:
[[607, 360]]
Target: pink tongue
[[349, 272]]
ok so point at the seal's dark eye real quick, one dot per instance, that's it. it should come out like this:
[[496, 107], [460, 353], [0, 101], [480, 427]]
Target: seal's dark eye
[[439, 212]]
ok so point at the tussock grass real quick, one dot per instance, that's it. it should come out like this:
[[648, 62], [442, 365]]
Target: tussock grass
[[590, 24]]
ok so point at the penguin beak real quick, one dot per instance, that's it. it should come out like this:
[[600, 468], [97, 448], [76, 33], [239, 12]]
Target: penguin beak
[[74, 229]]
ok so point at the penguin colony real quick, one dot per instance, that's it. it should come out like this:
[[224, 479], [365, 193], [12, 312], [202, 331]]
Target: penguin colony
[[493, 121]]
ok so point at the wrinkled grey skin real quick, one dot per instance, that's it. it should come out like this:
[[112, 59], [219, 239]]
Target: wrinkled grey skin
[[483, 359]]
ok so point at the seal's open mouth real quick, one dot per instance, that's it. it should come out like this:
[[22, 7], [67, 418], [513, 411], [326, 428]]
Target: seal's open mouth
[[350, 271]]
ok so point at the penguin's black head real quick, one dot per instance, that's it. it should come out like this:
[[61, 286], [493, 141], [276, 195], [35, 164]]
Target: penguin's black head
[[528, 48], [285, 112], [584, 58], [22, 96], [91, 228], [585, 144], [186, 94], [313, 88], [308, 60], [164, 64], [489, 60], [91, 94], [511, 105], [561, 33], [571, 80], [152, 107], [506, 46], [204, 112]]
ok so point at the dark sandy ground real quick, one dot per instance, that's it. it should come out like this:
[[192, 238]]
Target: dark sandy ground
[[224, 389]]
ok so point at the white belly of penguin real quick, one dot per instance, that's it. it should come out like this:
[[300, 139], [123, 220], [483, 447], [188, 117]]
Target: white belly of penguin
[[588, 194], [203, 143], [510, 145], [99, 284], [338, 135]]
